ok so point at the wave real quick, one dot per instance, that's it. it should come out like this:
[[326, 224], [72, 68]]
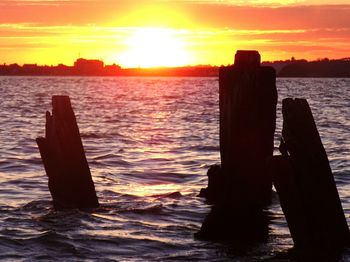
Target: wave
[[149, 143]]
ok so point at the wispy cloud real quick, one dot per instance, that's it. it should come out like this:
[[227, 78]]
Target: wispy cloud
[[266, 3]]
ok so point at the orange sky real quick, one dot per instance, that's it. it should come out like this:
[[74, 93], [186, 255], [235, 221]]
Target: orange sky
[[171, 33]]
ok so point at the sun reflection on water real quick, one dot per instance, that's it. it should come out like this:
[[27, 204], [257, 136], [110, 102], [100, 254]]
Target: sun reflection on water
[[143, 190]]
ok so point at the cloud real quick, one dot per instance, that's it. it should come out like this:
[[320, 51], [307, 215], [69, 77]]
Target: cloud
[[210, 29], [265, 3], [212, 14]]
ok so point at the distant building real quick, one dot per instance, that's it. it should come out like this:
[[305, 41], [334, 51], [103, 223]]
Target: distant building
[[61, 69], [112, 69], [30, 69], [14, 69], [88, 67], [30, 66]]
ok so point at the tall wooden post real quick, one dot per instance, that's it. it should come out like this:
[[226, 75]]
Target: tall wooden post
[[248, 99], [63, 155], [242, 185], [306, 187]]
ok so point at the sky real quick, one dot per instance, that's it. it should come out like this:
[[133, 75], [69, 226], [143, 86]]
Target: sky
[[144, 33]]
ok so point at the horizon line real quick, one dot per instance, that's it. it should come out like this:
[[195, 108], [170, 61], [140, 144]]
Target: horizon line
[[292, 59]]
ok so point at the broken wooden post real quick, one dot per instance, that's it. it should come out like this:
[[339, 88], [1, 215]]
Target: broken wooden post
[[247, 100], [63, 155], [306, 187]]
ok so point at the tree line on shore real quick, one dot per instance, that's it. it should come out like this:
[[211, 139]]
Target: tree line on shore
[[83, 67]]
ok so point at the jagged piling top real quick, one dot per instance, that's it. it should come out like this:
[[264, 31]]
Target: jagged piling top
[[247, 58], [63, 155], [58, 99]]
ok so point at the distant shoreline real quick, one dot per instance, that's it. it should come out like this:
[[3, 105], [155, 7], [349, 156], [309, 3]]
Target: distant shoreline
[[324, 68], [165, 76]]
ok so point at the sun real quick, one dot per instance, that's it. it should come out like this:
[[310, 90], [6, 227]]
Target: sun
[[155, 47]]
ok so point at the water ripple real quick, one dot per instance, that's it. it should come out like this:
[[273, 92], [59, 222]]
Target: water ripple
[[149, 143]]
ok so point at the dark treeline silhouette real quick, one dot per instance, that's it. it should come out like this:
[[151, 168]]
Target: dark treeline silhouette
[[320, 68], [84, 67]]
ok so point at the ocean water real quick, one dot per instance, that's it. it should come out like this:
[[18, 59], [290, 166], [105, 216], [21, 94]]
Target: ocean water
[[149, 143]]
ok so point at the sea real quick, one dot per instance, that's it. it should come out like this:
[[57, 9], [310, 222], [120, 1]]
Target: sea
[[149, 142]]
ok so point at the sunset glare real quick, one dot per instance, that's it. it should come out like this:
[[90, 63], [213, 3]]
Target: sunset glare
[[152, 47], [171, 33]]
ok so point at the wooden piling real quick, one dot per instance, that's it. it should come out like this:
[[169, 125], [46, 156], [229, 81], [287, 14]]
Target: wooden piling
[[63, 155], [248, 98], [306, 187], [241, 186]]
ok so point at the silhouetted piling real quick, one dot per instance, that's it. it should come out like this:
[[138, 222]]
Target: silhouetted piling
[[306, 187], [248, 99], [242, 186], [63, 155]]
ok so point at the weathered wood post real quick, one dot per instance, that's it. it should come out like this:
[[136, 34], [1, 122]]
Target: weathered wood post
[[247, 100], [306, 187], [63, 155]]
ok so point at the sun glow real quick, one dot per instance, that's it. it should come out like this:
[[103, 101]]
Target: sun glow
[[155, 47]]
